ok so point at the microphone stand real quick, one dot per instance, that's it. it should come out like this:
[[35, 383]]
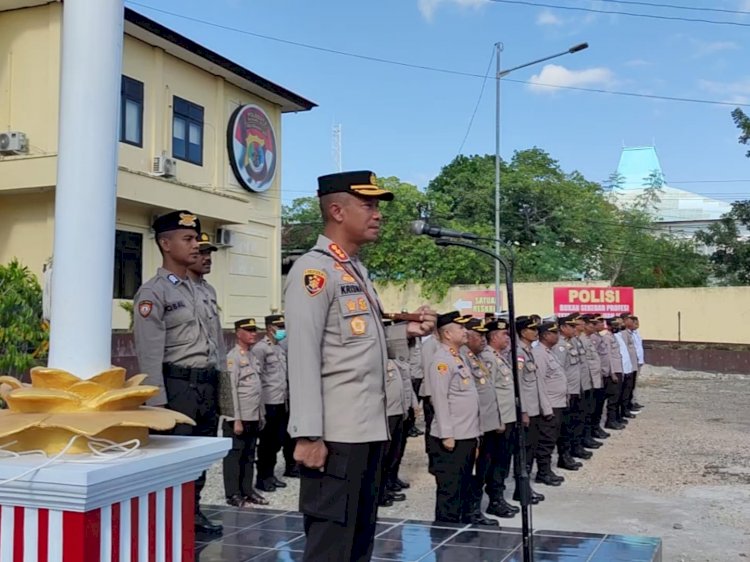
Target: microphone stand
[[521, 473]]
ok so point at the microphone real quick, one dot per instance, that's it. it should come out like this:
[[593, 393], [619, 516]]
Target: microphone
[[420, 227]]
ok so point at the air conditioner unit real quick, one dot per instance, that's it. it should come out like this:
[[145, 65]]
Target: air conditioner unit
[[13, 142], [223, 237], [163, 166]]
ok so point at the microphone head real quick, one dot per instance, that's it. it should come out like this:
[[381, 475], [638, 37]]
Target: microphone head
[[417, 227]]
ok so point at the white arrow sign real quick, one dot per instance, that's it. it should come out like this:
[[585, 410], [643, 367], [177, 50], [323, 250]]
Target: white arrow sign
[[462, 304]]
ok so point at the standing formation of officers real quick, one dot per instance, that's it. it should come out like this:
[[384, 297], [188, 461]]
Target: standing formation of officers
[[336, 386], [569, 368]]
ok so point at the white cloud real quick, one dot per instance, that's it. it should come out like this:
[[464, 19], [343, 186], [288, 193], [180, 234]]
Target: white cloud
[[732, 92], [557, 75], [546, 17], [638, 62], [704, 48], [428, 7]]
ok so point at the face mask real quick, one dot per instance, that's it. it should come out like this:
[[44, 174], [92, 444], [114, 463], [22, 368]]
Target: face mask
[[280, 335]]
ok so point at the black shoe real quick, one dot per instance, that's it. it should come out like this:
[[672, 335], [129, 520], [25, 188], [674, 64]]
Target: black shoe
[[395, 496], [547, 478], [256, 498], [599, 433], [278, 483], [581, 453], [557, 476], [415, 432], [393, 486], [617, 426], [235, 501], [623, 420], [479, 519], [385, 502], [266, 485], [628, 415], [404, 485], [636, 406], [204, 525], [591, 443], [536, 496], [566, 462], [499, 510], [505, 504]]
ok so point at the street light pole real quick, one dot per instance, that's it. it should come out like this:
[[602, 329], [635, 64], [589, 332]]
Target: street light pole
[[499, 74]]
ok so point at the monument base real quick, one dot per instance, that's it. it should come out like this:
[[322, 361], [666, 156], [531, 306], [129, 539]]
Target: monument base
[[135, 509]]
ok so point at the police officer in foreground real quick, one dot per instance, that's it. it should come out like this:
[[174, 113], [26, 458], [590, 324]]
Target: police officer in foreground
[[571, 429], [246, 420], [173, 338], [337, 356], [273, 376]]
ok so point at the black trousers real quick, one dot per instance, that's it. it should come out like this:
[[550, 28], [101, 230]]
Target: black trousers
[[571, 428], [549, 431], [271, 439], [627, 392], [429, 415], [199, 401], [487, 460], [288, 448], [411, 419], [452, 470], [532, 440], [614, 393], [507, 445], [239, 462], [635, 383], [588, 405], [393, 450], [600, 396], [340, 504]]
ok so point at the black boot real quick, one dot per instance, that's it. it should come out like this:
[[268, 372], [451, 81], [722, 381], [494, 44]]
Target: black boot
[[591, 443], [599, 433], [266, 485], [404, 485], [614, 425], [566, 462], [292, 471], [204, 525], [504, 510], [476, 518], [581, 453], [547, 478]]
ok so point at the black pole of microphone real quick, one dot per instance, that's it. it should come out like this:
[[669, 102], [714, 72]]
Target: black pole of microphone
[[521, 473]]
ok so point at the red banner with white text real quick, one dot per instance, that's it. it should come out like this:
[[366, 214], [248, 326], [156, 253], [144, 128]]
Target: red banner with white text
[[608, 301]]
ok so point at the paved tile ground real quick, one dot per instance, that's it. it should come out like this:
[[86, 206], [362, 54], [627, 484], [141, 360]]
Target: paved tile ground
[[267, 535]]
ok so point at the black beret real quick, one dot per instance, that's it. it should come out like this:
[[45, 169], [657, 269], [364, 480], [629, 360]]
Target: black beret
[[524, 322], [547, 327], [177, 220], [361, 183], [450, 317], [275, 320]]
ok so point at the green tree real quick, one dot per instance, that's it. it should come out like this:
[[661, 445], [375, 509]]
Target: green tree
[[23, 333], [743, 124], [731, 248]]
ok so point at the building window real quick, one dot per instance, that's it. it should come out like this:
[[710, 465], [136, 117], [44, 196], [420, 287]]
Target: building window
[[131, 111], [187, 131], [128, 263]]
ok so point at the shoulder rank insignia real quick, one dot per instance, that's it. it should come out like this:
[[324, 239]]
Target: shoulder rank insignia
[[314, 280], [442, 368], [337, 252]]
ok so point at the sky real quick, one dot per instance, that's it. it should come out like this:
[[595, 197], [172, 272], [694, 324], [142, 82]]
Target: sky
[[409, 122]]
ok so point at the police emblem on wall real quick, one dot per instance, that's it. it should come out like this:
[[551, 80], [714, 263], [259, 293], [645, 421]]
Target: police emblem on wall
[[251, 143]]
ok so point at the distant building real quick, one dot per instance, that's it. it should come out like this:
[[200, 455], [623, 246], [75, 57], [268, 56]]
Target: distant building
[[680, 212]]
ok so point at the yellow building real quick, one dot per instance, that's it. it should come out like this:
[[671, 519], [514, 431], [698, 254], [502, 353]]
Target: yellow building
[[184, 144]]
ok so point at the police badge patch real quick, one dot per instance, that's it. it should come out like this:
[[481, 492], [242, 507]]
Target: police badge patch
[[314, 280], [144, 308]]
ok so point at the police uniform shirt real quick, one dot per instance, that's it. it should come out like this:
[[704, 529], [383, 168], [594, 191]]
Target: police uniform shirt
[[429, 347], [627, 337], [489, 413], [586, 380], [603, 350], [567, 355], [550, 370], [272, 370], [454, 396], [410, 400], [534, 400], [504, 387], [337, 349], [627, 366], [246, 386], [208, 308], [416, 371], [638, 343], [168, 329], [394, 389], [593, 361], [613, 350]]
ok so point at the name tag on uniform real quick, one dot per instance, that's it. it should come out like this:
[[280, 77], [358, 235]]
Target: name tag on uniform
[[174, 306]]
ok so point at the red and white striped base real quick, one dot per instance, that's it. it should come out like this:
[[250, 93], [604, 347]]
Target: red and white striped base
[[156, 527]]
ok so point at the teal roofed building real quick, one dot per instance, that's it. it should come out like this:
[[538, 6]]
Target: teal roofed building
[[679, 211]]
